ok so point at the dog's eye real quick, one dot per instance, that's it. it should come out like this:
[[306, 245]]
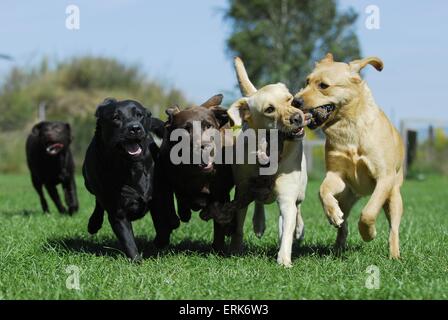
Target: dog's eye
[[116, 117], [270, 109], [138, 114], [323, 85], [207, 125], [307, 82]]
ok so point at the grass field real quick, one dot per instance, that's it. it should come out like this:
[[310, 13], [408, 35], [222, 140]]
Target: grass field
[[36, 249]]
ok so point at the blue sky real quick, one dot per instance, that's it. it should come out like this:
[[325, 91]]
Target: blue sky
[[182, 43]]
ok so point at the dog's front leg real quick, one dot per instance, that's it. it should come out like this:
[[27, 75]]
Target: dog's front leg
[[70, 195], [38, 186], [54, 195], [366, 224], [122, 228], [330, 187], [96, 219], [287, 224]]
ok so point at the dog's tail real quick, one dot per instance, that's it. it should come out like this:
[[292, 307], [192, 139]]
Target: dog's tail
[[246, 87], [259, 219]]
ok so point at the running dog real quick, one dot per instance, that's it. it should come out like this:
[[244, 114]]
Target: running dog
[[119, 171], [270, 108], [364, 153], [205, 185], [50, 161]]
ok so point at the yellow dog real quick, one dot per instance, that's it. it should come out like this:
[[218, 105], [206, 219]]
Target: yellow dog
[[363, 151]]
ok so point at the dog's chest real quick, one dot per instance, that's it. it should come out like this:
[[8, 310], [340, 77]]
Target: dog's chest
[[354, 166]]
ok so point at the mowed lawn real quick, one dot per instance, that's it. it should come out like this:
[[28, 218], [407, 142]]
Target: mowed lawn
[[37, 249]]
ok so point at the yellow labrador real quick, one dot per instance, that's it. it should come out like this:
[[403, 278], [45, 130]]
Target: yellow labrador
[[363, 151], [270, 108]]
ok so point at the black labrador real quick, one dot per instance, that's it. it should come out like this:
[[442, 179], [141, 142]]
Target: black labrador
[[119, 170], [51, 163]]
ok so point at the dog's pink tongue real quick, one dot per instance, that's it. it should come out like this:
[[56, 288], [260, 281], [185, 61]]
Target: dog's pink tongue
[[133, 149], [55, 148]]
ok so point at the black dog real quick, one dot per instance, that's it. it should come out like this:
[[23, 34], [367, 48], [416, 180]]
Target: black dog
[[51, 162], [119, 170]]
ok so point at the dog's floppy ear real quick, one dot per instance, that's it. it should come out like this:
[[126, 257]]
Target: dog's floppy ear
[[220, 114], [36, 129], [170, 112], [358, 65], [239, 112], [105, 103], [328, 59], [69, 130], [216, 100]]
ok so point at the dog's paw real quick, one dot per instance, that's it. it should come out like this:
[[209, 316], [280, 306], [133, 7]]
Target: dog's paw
[[367, 231], [300, 232], [335, 217], [72, 210], [236, 246], [94, 225], [284, 261], [259, 231]]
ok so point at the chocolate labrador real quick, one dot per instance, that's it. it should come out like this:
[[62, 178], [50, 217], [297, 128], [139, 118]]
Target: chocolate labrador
[[198, 186]]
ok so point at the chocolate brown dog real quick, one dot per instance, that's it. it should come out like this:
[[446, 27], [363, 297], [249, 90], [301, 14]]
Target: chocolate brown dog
[[198, 186], [51, 162]]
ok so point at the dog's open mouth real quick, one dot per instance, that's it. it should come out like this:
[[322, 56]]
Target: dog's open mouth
[[133, 149], [295, 134], [54, 148], [320, 115], [206, 167]]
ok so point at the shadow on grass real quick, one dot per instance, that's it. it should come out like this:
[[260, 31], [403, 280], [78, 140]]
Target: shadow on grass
[[112, 248], [21, 212]]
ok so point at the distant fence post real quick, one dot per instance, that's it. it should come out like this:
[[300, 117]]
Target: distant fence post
[[404, 136], [42, 111]]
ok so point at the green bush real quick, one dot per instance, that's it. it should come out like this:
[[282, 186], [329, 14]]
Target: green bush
[[71, 90]]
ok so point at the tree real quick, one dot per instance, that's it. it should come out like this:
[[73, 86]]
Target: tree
[[5, 57], [280, 40]]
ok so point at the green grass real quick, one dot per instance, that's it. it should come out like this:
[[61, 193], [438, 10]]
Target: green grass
[[35, 250]]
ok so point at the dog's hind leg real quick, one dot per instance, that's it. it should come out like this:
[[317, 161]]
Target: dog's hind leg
[[96, 219], [394, 210], [259, 219], [236, 243], [366, 224], [300, 225], [54, 195], [38, 186], [346, 201], [219, 237]]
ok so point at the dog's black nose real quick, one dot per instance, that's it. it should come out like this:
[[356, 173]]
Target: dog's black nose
[[296, 119], [135, 129], [297, 103]]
